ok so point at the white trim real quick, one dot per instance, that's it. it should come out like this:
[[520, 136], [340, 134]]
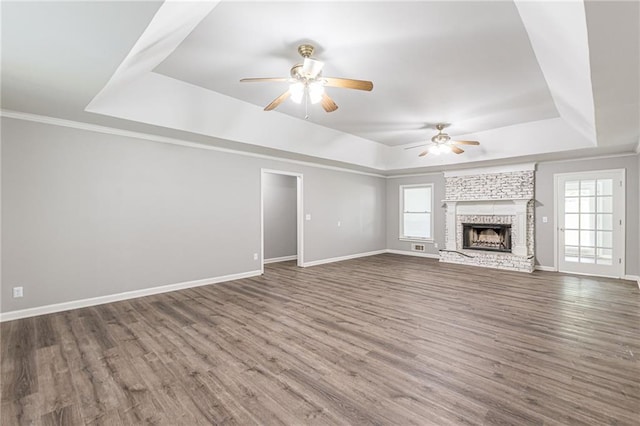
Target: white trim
[[507, 168], [299, 220], [588, 274], [621, 245], [163, 139], [499, 168], [299, 214], [590, 171], [280, 259], [632, 278], [593, 157], [414, 253], [545, 268], [261, 222], [414, 175], [341, 258], [281, 172], [556, 183], [83, 303], [418, 240], [401, 189]]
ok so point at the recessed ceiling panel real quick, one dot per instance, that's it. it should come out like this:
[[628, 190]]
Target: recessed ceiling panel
[[466, 63]]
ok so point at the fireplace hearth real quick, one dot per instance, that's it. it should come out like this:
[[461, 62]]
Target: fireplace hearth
[[488, 237]]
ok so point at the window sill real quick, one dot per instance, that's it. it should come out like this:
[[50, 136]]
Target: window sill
[[418, 240]]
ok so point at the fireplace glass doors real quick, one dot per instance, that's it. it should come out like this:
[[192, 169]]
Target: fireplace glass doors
[[490, 237]]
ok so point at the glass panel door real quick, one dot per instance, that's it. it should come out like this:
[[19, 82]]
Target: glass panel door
[[590, 231]]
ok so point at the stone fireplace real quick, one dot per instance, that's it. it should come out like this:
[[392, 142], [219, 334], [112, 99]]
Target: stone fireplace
[[489, 218]]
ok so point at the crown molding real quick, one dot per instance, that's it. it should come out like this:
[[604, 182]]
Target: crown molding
[[593, 157], [507, 168], [43, 119], [54, 121], [414, 175]]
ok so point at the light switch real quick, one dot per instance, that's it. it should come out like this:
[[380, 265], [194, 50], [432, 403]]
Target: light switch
[[545, 219], [307, 216]]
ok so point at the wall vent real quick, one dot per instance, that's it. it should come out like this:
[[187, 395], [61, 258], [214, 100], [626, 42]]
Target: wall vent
[[417, 247]]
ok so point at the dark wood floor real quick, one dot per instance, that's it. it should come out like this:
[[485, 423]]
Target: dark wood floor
[[380, 340]]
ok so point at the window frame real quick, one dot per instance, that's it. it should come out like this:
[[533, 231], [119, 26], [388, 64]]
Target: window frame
[[401, 190]]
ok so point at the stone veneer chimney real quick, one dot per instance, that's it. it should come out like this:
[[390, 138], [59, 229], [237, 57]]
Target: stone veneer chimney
[[491, 196]]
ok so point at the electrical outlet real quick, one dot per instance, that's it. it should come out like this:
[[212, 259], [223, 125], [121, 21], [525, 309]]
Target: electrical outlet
[[255, 256], [545, 219], [339, 224], [17, 292], [435, 245], [307, 216]]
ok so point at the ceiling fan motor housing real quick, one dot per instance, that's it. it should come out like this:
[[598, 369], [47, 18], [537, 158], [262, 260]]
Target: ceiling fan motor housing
[[305, 50]]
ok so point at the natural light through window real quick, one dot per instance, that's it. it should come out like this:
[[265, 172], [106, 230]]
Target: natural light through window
[[416, 206], [588, 221]]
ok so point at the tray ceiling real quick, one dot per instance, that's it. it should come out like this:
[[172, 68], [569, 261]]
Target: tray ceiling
[[527, 79]]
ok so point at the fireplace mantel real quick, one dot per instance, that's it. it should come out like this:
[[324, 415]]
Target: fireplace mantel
[[491, 207]]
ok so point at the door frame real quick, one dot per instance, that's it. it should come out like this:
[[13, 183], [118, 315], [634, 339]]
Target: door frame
[[299, 214], [556, 228]]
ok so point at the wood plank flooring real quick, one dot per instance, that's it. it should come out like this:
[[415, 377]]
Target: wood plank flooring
[[387, 339]]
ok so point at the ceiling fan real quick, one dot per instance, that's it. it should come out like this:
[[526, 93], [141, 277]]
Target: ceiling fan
[[307, 82], [442, 143]]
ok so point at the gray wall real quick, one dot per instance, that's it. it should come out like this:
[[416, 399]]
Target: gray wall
[[357, 201], [86, 214], [544, 204], [280, 208], [393, 212]]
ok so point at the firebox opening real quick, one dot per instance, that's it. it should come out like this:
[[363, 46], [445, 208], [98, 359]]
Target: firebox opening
[[491, 237]]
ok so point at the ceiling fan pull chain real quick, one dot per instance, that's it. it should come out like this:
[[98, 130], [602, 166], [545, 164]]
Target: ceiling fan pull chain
[[306, 104]]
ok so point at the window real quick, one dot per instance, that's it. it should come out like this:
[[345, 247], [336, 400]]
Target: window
[[416, 206]]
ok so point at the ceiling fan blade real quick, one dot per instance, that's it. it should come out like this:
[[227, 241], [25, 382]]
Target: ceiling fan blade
[[347, 83], [258, 80], [466, 142], [456, 149], [311, 67], [328, 104], [416, 146], [423, 153], [277, 101]]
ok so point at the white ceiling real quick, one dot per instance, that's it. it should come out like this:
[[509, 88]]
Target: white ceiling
[[470, 64], [528, 79]]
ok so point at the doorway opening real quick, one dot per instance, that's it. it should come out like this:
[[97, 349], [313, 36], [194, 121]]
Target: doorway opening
[[281, 217]]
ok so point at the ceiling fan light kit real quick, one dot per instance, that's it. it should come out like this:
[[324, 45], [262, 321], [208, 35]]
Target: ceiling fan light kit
[[442, 143], [306, 83], [314, 90]]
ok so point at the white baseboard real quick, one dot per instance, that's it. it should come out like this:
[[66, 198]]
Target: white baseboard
[[341, 258], [414, 253], [545, 268], [635, 278], [83, 303], [280, 259]]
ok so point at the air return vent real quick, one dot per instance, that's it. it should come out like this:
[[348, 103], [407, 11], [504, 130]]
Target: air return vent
[[417, 247]]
